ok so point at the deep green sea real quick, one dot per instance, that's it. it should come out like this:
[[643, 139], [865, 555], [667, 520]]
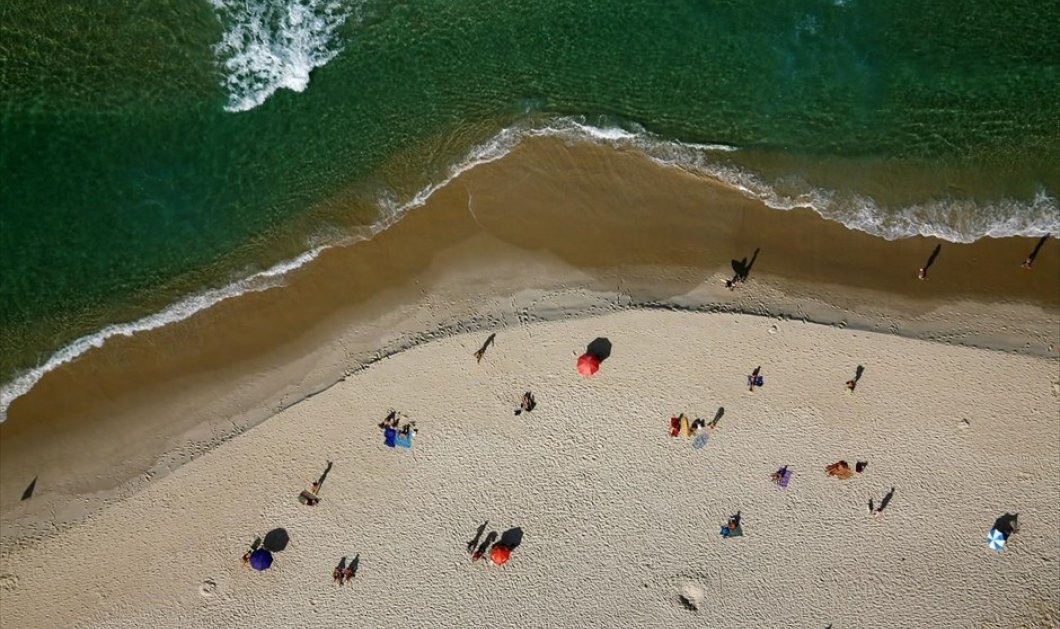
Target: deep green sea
[[159, 156]]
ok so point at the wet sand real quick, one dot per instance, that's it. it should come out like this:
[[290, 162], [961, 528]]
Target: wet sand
[[550, 231]]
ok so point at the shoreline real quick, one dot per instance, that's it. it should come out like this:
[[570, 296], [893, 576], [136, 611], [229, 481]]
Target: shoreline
[[692, 158], [451, 266]]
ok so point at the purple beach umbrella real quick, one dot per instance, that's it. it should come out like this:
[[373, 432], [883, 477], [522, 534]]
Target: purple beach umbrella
[[260, 559]]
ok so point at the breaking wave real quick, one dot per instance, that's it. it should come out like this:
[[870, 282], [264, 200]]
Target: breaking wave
[[273, 44]]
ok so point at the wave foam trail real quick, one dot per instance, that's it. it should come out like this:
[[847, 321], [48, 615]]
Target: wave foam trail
[[956, 220], [262, 280], [269, 44]]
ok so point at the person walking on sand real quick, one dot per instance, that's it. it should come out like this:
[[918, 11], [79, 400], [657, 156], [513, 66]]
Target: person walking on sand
[[336, 575], [482, 350]]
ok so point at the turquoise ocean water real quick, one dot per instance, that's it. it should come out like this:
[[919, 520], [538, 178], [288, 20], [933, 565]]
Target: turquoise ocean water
[[157, 157]]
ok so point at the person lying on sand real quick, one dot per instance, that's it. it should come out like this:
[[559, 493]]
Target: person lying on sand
[[409, 428], [839, 469], [778, 475]]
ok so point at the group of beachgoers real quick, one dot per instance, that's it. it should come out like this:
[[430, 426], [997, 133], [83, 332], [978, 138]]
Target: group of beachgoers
[[399, 430], [682, 426]]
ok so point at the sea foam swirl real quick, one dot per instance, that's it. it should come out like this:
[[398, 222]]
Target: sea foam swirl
[[273, 44]]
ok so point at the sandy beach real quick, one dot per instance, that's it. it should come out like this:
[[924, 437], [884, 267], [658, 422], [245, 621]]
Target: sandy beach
[[159, 457], [619, 519]]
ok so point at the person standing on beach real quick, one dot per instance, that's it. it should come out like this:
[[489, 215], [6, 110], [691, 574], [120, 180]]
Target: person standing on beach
[[482, 350], [754, 380]]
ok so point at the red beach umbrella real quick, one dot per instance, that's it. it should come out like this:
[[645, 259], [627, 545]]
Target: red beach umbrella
[[499, 554], [588, 364]]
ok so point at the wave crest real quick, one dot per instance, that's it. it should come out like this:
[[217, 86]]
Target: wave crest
[[954, 220], [273, 44]]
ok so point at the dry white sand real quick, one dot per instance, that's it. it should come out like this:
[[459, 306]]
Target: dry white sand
[[619, 519]]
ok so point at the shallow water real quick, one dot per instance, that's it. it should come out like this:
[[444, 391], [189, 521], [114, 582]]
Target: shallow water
[[153, 151]]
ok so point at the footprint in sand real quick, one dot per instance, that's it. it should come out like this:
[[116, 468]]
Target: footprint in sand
[[691, 596], [207, 588], [8, 582]]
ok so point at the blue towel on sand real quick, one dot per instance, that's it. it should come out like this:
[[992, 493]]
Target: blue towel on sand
[[404, 441], [389, 436]]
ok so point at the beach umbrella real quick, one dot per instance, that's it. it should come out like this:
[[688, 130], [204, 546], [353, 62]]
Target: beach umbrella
[[995, 539], [500, 554], [588, 364], [260, 559]]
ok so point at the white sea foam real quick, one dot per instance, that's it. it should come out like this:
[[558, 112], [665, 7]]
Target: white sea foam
[[392, 210], [273, 44], [956, 221], [262, 280]]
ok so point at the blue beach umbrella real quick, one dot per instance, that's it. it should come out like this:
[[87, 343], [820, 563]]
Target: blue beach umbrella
[[995, 539], [260, 559]]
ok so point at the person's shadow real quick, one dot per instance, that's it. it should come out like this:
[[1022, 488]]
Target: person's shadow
[[1038, 247], [931, 258], [883, 503], [355, 564], [478, 535], [600, 347], [484, 546], [742, 268], [28, 492], [320, 481]]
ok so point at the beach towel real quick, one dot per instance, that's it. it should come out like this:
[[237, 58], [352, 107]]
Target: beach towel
[[700, 440], [389, 436], [685, 431], [675, 426], [404, 440], [784, 479]]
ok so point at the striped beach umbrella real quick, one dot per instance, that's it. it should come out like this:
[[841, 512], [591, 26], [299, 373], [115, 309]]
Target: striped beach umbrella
[[995, 539]]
